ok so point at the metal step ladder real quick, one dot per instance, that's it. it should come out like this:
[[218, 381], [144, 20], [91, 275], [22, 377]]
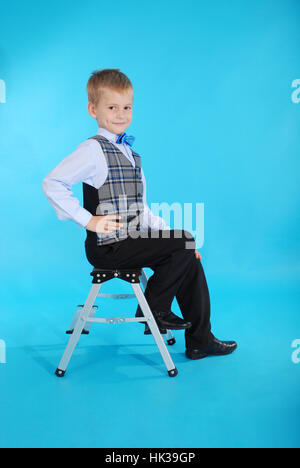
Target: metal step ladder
[[85, 315]]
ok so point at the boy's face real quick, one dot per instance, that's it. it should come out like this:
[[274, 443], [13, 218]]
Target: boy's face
[[114, 110]]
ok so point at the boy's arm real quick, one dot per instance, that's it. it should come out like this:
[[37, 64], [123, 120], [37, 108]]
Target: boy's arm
[[79, 166], [150, 220]]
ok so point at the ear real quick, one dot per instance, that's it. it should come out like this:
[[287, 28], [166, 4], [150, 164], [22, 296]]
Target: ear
[[91, 110]]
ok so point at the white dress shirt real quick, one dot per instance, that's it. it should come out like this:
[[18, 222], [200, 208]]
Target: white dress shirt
[[88, 164]]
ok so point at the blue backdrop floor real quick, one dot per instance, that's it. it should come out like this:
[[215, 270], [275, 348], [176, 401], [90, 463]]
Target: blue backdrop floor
[[116, 392]]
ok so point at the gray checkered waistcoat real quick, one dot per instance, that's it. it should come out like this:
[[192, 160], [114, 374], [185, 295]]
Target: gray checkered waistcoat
[[121, 193]]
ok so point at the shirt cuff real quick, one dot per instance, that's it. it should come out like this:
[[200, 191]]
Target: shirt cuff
[[82, 217]]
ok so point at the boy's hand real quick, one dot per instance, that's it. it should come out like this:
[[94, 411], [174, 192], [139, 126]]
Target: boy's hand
[[104, 224], [198, 255]]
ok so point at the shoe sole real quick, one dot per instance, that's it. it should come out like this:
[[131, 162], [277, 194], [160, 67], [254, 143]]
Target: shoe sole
[[166, 327], [163, 331], [204, 355]]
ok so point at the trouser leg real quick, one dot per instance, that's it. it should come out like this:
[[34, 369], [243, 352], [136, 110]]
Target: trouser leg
[[185, 280], [168, 277], [194, 302]]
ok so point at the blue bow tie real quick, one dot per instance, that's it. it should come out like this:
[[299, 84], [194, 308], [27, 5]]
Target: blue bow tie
[[123, 138]]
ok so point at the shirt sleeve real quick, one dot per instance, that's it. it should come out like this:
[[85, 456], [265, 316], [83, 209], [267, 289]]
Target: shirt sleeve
[[79, 166], [150, 220]]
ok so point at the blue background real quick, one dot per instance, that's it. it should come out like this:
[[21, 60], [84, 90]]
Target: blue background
[[213, 86]]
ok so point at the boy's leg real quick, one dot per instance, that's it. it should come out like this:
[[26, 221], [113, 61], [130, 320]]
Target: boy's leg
[[194, 301], [177, 272]]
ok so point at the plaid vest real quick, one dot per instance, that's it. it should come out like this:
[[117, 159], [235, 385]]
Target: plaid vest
[[121, 193]]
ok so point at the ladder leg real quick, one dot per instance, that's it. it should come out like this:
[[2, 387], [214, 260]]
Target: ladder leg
[[170, 338], [74, 338], [154, 329], [91, 315], [87, 327], [74, 320]]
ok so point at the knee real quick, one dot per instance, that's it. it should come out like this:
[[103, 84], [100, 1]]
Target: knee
[[188, 235], [190, 242], [187, 240]]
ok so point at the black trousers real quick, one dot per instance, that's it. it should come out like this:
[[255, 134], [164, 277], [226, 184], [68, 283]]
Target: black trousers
[[177, 273]]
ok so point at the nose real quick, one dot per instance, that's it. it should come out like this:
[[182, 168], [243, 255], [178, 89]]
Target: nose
[[120, 114]]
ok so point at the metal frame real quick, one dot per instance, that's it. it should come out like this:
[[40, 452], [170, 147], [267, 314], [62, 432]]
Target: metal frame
[[85, 316]]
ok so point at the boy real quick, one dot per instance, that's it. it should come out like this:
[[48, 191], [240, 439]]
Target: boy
[[118, 221]]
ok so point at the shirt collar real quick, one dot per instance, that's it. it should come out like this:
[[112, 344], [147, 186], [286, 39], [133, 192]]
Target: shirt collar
[[107, 134]]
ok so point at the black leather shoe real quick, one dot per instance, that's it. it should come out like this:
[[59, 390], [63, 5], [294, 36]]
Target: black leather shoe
[[165, 320], [147, 330], [213, 348], [170, 321]]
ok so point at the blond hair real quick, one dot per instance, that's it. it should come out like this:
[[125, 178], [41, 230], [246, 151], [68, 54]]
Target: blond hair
[[111, 78]]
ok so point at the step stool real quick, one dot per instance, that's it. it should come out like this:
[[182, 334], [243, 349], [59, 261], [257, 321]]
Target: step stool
[[85, 314]]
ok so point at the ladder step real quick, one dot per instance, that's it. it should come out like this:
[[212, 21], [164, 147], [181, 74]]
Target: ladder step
[[118, 296], [115, 319]]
